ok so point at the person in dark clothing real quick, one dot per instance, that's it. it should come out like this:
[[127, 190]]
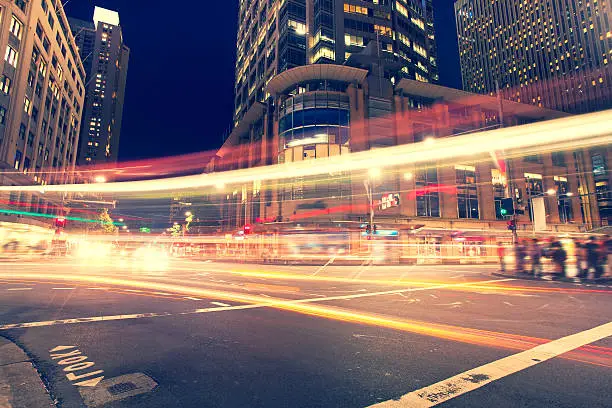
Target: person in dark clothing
[[501, 253], [581, 260], [520, 254], [607, 249], [593, 255], [559, 256], [535, 253]]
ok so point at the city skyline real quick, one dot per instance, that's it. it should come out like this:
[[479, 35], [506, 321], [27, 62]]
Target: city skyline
[[144, 131]]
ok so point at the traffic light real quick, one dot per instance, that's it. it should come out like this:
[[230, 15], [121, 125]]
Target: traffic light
[[375, 229], [397, 200], [247, 229], [60, 222], [512, 225], [368, 229], [507, 207]]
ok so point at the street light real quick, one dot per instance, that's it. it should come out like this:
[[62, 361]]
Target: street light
[[188, 214], [100, 179], [374, 173], [408, 176]]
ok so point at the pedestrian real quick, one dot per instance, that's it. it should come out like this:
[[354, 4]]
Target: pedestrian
[[593, 254], [520, 254], [608, 254], [535, 253], [559, 256], [581, 259], [501, 254]]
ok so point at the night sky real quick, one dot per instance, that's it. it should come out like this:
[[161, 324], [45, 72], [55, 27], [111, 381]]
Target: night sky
[[179, 95]]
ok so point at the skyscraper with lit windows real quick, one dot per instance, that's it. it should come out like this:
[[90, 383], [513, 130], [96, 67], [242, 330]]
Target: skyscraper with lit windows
[[275, 36], [105, 58], [41, 95], [551, 53]]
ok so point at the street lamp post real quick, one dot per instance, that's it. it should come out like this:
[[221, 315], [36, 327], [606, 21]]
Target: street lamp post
[[369, 187]]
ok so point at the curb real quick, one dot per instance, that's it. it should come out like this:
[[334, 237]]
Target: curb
[[20, 382], [606, 281]]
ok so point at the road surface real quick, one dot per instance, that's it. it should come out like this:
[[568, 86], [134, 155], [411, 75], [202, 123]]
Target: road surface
[[208, 334]]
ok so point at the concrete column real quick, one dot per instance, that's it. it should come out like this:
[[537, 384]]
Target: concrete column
[[573, 180], [486, 198], [407, 187], [552, 207], [448, 199]]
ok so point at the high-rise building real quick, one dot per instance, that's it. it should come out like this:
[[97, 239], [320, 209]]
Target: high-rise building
[[276, 35], [105, 58], [551, 53], [41, 96]]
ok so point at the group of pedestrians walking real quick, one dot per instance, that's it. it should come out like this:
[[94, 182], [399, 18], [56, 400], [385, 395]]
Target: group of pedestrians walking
[[593, 256]]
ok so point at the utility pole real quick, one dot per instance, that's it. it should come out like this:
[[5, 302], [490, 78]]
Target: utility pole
[[508, 184]]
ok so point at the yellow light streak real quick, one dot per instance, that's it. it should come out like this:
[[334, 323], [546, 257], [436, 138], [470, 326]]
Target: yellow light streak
[[575, 132], [303, 306]]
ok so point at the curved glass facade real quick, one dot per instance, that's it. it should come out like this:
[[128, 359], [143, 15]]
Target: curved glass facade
[[314, 118]]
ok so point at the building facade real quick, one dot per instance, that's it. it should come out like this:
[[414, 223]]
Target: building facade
[[318, 111], [275, 36], [105, 58], [41, 99], [549, 53]]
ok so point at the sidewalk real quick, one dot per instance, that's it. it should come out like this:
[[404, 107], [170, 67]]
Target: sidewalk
[[604, 280], [20, 383]]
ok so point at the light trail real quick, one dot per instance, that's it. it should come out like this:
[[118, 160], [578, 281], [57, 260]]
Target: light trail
[[42, 215], [600, 356], [576, 132]]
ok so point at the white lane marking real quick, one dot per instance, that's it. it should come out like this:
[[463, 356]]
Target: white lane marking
[[264, 295], [63, 288], [162, 293], [220, 304], [192, 298], [478, 377], [20, 289], [96, 288], [132, 290], [242, 307], [324, 266], [508, 304]]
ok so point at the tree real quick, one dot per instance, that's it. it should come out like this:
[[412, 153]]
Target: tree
[[107, 224], [176, 230]]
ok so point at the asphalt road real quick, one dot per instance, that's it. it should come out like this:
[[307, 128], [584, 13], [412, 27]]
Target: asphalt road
[[227, 335]]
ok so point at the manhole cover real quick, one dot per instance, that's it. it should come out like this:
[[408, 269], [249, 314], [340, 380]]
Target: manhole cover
[[116, 389], [121, 388]]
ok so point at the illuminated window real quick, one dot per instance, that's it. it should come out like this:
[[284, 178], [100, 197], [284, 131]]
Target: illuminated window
[[418, 22], [351, 8], [382, 30], [350, 40], [419, 50], [26, 105], [299, 28], [5, 84], [324, 52], [11, 56], [16, 27], [401, 8]]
